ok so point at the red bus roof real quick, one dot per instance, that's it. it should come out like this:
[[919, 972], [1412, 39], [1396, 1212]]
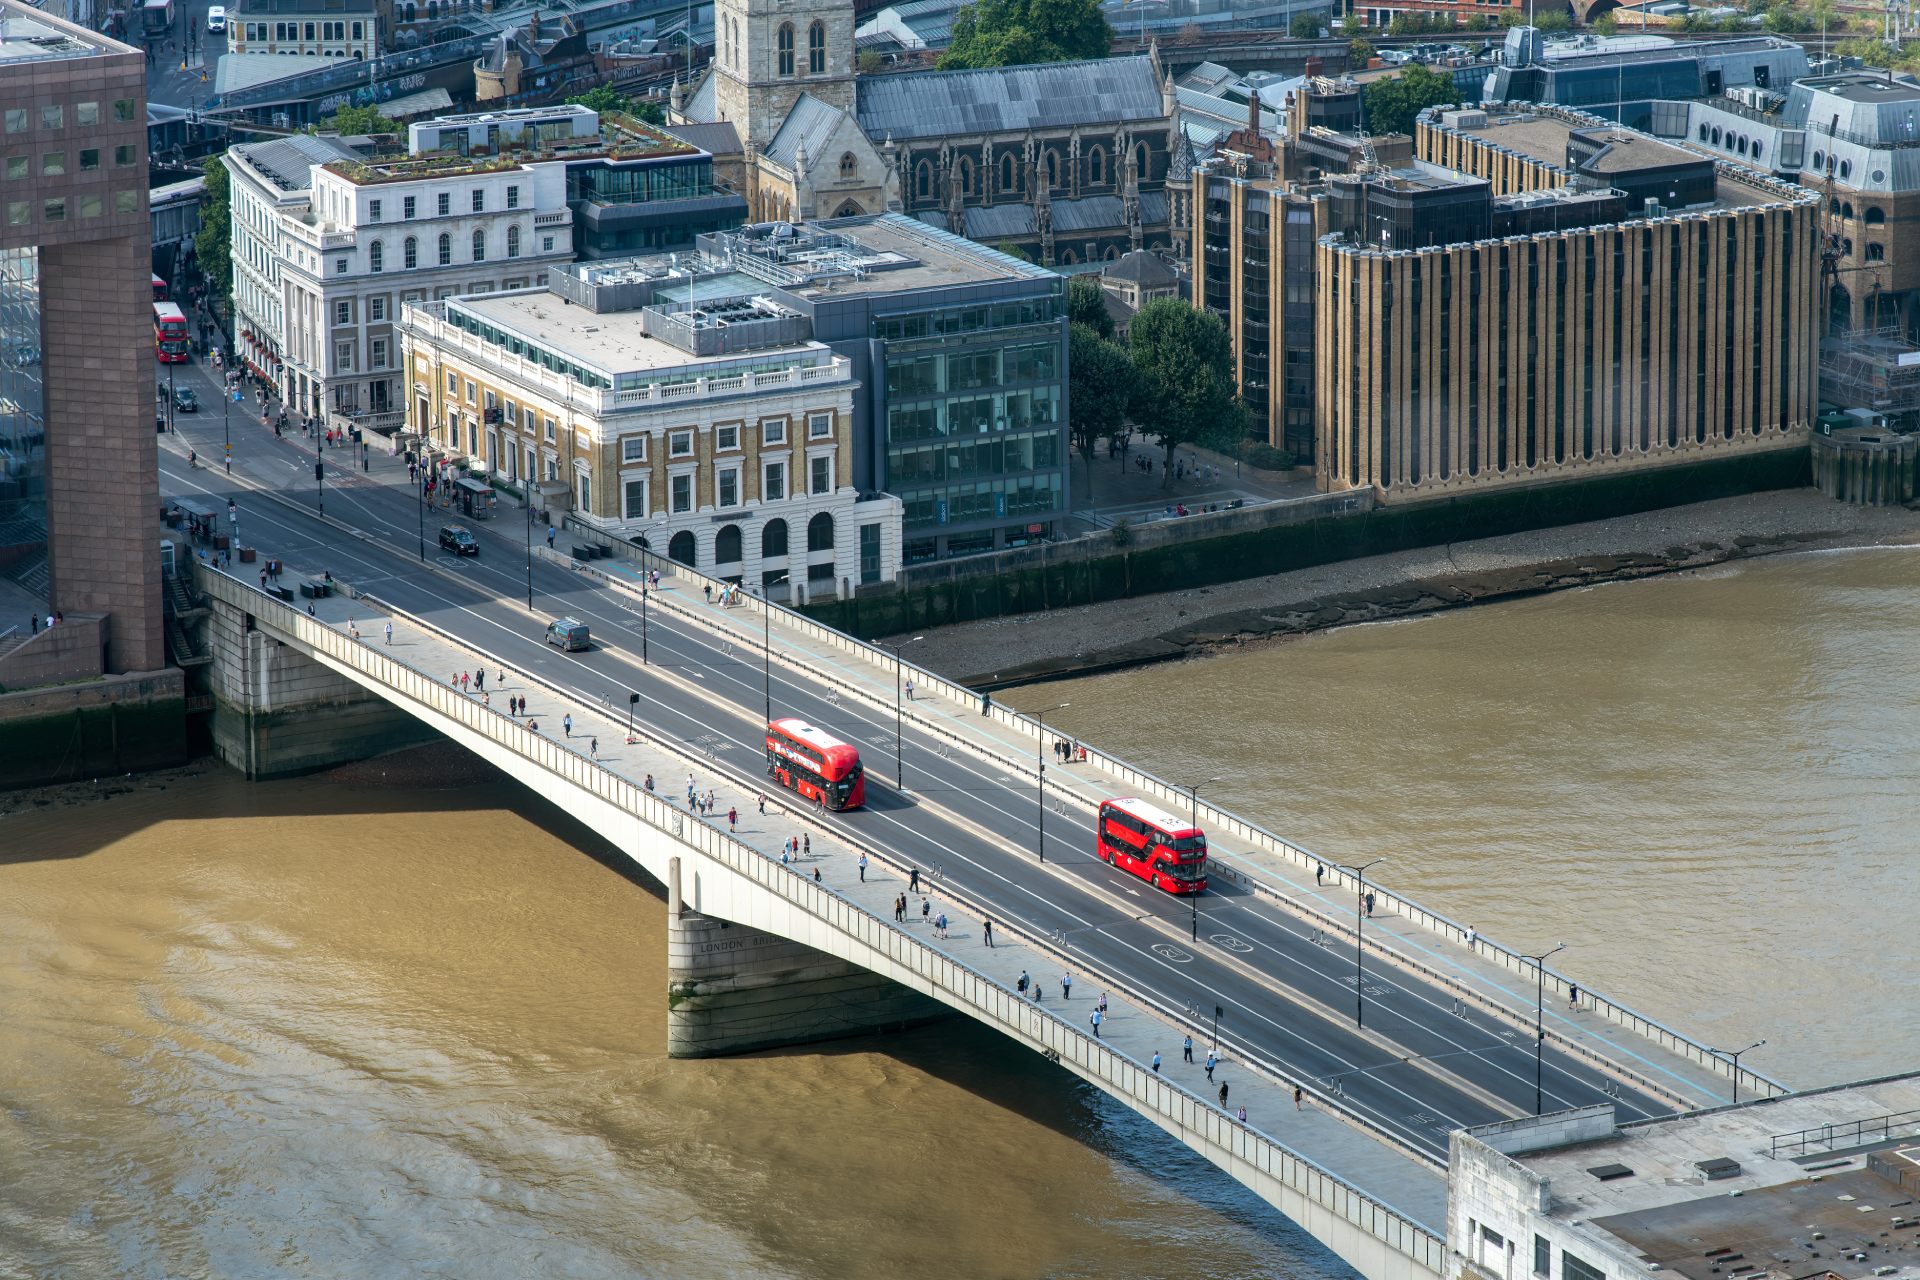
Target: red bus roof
[[169, 311], [831, 749], [1154, 816]]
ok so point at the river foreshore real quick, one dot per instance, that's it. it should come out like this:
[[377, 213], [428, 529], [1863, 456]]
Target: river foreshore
[[1173, 624]]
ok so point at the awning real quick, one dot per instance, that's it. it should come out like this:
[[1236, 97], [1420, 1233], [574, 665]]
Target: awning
[[417, 104]]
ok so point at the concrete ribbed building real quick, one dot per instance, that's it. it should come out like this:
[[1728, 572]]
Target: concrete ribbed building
[[1615, 302]]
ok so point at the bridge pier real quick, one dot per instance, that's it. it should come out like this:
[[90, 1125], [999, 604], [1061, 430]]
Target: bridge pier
[[736, 989], [277, 712]]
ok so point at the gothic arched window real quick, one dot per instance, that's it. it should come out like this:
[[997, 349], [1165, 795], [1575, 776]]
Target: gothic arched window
[[1009, 173], [964, 171], [849, 167], [786, 48], [1140, 162], [817, 49], [923, 179], [1097, 166]]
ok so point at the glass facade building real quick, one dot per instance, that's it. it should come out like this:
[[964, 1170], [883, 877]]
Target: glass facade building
[[23, 436], [656, 205]]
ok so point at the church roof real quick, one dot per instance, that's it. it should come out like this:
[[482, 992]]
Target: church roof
[[1054, 95], [811, 122], [700, 106], [1180, 167], [716, 139], [1143, 268]]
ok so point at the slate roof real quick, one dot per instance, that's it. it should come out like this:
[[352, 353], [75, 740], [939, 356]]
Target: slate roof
[[1180, 167], [237, 71], [288, 162], [1057, 95], [1000, 222], [1143, 268], [1088, 213], [716, 139], [700, 105], [810, 121]]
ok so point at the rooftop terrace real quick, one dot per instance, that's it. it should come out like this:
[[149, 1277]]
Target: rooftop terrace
[[27, 35], [621, 138]]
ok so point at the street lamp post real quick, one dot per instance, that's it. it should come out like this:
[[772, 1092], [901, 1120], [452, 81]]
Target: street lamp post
[[1040, 719], [170, 400], [766, 648], [1193, 800], [899, 767], [420, 501], [1735, 1055], [1359, 940], [1539, 963], [529, 546]]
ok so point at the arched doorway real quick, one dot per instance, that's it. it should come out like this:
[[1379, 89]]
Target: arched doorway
[[773, 540], [681, 549], [726, 546], [820, 533]]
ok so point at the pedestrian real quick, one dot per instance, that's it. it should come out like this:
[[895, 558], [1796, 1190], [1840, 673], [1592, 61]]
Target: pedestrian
[[566, 723], [1471, 935], [786, 854], [763, 803], [1211, 1060], [1036, 993], [1369, 904], [1297, 1092], [649, 782], [480, 678], [913, 880], [465, 679], [1066, 986], [733, 824], [1103, 1002], [1573, 996], [1319, 873], [1094, 1018], [1156, 1062], [1186, 1050], [986, 930], [863, 868], [940, 925], [550, 532], [1243, 1116], [926, 911], [1223, 1093], [806, 842], [900, 908], [708, 589], [1021, 986], [263, 579], [389, 633], [816, 875], [909, 690], [593, 747]]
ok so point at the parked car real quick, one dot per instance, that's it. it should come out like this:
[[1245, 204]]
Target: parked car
[[216, 18], [184, 400], [567, 633], [459, 540]]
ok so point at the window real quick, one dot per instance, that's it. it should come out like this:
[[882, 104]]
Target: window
[[89, 159], [376, 257], [126, 202], [123, 156], [1875, 217], [785, 43], [680, 444], [817, 49], [820, 475], [343, 313], [446, 249], [548, 430], [443, 203], [729, 490], [773, 486], [453, 383], [377, 309], [377, 354], [16, 119], [16, 168], [773, 540], [726, 438], [634, 506], [546, 246], [1573, 1267], [586, 493], [86, 114], [513, 241], [681, 549], [19, 213], [94, 206], [53, 117], [923, 179], [1097, 166], [53, 164], [343, 356], [819, 426], [373, 210], [820, 533], [472, 394], [1542, 1256], [480, 246], [1009, 179], [513, 197], [479, 199], [869, 554], [339, 266], [412, 256], [359, 31], [681, 494], [123, 109], [773, 431], [1876, 253], [633, 449], [407, 207], [849, 167]]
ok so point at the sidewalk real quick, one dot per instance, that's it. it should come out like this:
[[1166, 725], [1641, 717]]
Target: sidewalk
[[1294, 887], [1410, 1186]]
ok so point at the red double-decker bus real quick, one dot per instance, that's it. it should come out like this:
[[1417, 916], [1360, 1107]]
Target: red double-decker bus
[[169, 333], [159, 289], [816, 764], [1167, 852]]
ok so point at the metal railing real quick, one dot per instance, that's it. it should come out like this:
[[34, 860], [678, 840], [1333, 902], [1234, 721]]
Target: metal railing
[[1852, 1133], [911, 960], [1217, 819]]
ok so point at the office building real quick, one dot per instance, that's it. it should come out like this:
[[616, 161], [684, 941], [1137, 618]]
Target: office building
[[1631, 304], [1621, 77], [78, 468], [304, 28], [331, 240], [711, 425]]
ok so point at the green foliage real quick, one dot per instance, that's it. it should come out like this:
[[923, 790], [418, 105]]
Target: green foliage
[[1122, 533], [357, 120], [1391, 104], [1420, 24], [1605, 25], [868, 61], [213, 243], [1087, 305], [1100, 382], [1267, 458], [1477, 22], [1184, 391], [1554, 20], [1013, 250], [1306, 26], [1359, 53], [1010, 33], [605, 99]]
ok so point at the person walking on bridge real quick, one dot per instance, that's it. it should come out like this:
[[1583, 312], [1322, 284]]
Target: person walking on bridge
[[566, 723], [913, 880], [1022, 985], [863, 868], [733, 822], [1186, 1050], [926, 911], [1094, 1018], [986, 929], [1156, 1062], [1223, 1094], [1211, 1062], [389, 633], [1066, 986]]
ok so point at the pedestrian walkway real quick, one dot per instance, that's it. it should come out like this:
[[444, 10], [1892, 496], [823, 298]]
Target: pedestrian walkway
[[1487, 989], [599, 731]]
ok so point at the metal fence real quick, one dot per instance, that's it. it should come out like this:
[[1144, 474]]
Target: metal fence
[[886, 949]]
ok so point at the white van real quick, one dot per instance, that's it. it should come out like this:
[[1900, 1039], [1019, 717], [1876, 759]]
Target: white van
[[216, 18]]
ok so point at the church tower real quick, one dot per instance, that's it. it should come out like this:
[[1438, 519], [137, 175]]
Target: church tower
[[769, 52]]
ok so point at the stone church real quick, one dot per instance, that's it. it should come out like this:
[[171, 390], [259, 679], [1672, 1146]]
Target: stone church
[[1066, 162]]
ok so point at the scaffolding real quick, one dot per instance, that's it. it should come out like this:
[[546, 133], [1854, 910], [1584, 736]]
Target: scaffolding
[[1876, 369]]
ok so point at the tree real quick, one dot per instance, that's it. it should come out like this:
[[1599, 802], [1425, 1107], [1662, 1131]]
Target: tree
[[1605, 25], [1099, 386], [1553, 20], [1013, 250], [1183, 378], [1392, 104], [605, 99], [213, 243], [1087, 305], [1010, 33], [1359, 53], [358, 120], [1306, 26]]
